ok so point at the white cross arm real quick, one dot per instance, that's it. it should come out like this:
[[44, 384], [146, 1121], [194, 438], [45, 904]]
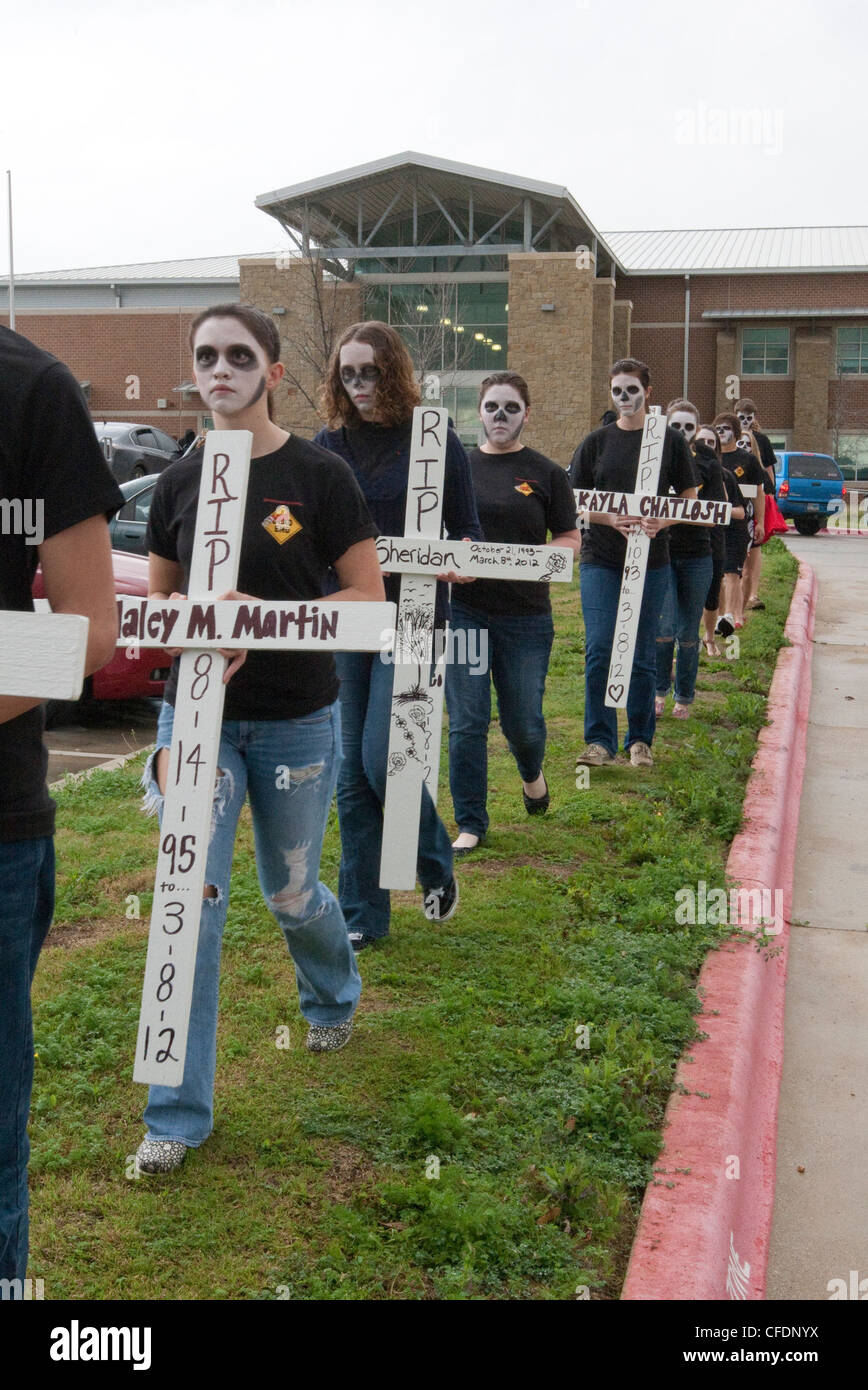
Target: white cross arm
[[42, 655], [696, 511], [314, 625], [476, 559]]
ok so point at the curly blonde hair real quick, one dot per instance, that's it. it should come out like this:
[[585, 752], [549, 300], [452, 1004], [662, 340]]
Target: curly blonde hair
[[397, 390]]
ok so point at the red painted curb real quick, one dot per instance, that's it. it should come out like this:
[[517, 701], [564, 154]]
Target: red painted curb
[[706, 1218]]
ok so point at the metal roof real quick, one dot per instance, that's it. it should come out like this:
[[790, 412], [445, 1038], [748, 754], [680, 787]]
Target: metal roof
[[346, 210], [719, 251], [210, 268]]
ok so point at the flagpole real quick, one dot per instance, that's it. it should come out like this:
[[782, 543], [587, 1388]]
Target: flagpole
[[11, 262]]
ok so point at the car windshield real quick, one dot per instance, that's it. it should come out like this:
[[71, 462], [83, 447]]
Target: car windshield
[[813, 466]]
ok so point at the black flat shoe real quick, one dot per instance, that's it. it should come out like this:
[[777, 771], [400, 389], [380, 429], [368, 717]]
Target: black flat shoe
[[535, 805]]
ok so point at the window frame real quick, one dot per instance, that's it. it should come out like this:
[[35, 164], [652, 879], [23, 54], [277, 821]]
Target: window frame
[[770, 376]]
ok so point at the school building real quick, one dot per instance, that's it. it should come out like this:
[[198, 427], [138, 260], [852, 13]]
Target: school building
[[481, 271]]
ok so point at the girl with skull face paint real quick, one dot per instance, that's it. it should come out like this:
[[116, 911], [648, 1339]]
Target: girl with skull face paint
[[281, 708], [368, 397], [706, 452], [746, 469], [522, 497], [608, 460], [691, 573]]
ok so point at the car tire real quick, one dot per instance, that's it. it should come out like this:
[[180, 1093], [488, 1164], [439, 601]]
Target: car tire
[[807, 525]]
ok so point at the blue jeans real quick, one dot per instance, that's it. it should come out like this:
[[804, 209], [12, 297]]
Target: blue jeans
[[519, 647], [366, 702], [679, 620], [260, 757], [600, 587], [26, 906]]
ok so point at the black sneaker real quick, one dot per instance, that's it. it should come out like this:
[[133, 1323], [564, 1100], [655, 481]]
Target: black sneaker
[[535, 805], [359, 941], [439, 904]]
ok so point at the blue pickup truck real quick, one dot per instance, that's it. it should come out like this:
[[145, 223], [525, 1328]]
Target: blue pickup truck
[[809, 488]]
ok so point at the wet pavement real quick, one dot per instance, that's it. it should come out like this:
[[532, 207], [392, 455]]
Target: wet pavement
[[98, 734]]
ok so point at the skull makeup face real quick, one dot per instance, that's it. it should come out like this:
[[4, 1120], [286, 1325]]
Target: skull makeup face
[[503, 414], [684, 422], [724, 433], [706, 436], [229, 365], [747, 418], [628, 393], [744, 443], [359, 376]]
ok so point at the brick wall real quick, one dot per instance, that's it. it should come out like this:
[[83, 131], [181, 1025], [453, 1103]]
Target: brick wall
[[621, 329], [553, 350], [107, 347], [317, 311], [813, 365]]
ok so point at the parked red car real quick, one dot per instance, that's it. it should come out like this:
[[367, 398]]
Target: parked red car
[[126, 677]]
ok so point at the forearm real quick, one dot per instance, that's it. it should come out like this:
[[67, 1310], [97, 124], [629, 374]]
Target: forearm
[[13, 705]]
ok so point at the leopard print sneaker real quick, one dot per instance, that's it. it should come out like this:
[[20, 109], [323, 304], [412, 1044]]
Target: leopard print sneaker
[[160, 1155], [323, 1039]]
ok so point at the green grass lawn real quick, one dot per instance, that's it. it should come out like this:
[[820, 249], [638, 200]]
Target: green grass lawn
[[462, 1146]]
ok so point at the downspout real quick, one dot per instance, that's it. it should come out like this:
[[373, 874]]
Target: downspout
[[686, 370]]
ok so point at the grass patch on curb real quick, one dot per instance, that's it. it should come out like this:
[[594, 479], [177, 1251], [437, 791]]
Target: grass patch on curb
[[466, 1145]]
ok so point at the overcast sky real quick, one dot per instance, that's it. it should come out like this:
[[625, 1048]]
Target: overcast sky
[[144, 131]]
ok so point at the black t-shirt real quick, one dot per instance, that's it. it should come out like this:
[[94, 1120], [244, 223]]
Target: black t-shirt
[[49, 459], [746, 469], [608, 460], [304, 510], [735, 499], [767, 456], [521, 497], [691, 542]]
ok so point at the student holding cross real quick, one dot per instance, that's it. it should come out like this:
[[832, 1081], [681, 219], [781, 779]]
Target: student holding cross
[[608, 459], [281, 732], [50, 458], [368, 397]]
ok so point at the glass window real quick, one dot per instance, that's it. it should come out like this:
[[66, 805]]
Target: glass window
[[812, 466], [765, 351], [853, 350], [447, 327], [145, 439]]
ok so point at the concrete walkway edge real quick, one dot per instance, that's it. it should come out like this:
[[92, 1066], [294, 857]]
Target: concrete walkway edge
[[705, 1224]]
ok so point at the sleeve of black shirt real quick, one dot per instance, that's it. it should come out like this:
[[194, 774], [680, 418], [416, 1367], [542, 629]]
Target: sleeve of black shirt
[[157, 535], [582, 466], [344, 512], [684, 473], [460, 516], [561, 515], [767, 453], [65, 467]]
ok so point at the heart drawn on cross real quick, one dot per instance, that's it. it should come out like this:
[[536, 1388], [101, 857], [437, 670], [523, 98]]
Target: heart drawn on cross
[[616, 691]]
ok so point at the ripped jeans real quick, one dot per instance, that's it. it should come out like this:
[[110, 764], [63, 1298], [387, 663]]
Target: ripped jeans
[[289, 768]]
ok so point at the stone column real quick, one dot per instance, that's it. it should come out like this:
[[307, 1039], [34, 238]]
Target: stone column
[[602, 356], [317, 309], [813, 369], [551, 333]]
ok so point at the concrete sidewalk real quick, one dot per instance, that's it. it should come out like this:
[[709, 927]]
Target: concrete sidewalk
[[820, 1224]]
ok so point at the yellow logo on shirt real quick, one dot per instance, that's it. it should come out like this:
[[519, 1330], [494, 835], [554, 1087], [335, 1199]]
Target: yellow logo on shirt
[[525, 488], [281, 524]]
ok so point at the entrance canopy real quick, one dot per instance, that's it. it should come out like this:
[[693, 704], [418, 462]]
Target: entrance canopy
[[412, 212]]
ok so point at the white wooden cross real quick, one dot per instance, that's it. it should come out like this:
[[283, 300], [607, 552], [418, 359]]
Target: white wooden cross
[[645, 502], [201, 624], [42, 655], [417, 700]]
